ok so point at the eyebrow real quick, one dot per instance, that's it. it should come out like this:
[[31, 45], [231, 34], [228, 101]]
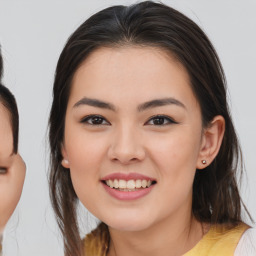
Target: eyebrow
[[159, 103], [95, 103], [142, 107]]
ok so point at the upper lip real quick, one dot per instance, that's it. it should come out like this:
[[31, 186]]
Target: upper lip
[[126, 176]]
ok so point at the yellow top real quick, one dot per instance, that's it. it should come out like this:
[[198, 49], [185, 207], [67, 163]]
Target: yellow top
[[219, 241]]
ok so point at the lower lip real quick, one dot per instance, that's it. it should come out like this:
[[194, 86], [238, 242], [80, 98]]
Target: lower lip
[[127, 195]]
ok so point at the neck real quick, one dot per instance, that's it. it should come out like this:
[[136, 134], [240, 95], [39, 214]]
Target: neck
[[170, 237]]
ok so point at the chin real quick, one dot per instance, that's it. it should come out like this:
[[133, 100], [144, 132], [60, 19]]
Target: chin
[[128, 222], [129, 227]]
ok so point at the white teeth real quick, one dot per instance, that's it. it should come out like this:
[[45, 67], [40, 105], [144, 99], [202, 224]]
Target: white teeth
[[138, 183], [116, 184], [144, 183], [111, 183], [129, 185], [122, 184]]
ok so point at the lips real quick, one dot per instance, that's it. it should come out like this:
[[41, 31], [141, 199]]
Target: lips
[[128, 186]]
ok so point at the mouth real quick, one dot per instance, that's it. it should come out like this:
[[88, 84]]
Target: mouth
[[130, 185]]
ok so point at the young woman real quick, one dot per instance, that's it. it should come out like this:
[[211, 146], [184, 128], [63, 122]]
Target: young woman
[[12, 167], [141, 134]]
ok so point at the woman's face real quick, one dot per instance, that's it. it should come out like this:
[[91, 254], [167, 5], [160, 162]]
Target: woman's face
[[132, 120], [12, 170]]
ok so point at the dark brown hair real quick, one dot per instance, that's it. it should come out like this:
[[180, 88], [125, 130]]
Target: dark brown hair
[[8, 100], [216, 197]]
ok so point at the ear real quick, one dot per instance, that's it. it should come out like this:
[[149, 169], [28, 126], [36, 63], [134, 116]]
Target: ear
[[64, 162], [211, 142]]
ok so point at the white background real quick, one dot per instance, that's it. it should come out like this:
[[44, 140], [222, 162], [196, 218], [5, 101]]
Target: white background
[[32, 35]]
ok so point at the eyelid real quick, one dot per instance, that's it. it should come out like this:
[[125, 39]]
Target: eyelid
[[170, 120]]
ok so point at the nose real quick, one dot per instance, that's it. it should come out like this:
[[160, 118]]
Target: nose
[[126, 146]]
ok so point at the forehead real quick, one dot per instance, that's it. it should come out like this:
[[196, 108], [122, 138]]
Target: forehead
[[6, 137], [133, 73]]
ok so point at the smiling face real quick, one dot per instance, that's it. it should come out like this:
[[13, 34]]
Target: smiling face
[[132, 116]]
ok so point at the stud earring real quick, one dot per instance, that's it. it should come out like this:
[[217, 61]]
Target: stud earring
[[204, 162]]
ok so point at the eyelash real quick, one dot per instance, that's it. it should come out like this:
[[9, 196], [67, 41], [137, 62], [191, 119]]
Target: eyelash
[[88, 120]]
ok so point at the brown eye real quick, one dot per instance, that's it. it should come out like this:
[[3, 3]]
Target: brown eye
[[160, 120], [3, 170], [95, 120]]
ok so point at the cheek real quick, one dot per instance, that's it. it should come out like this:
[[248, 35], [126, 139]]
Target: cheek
[[85, 153], [10, 192], [175, 158], [180, 149]]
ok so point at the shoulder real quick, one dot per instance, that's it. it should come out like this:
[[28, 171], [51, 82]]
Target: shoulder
[[221, 240], [247, 243]]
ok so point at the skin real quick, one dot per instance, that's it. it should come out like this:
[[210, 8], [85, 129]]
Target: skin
[[12, 179], [128, 140]]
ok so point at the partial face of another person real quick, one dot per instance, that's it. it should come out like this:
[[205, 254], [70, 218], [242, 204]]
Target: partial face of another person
[[133, 137], [12, 170]]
